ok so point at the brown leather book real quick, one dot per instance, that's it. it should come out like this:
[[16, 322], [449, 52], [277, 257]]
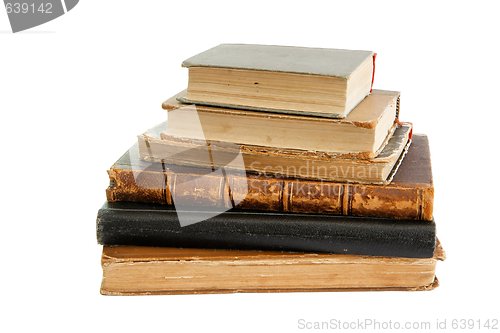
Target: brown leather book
[[132, 270], [409, 196]]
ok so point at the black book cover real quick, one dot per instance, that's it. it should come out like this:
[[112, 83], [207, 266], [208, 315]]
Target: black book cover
[[123, 223]]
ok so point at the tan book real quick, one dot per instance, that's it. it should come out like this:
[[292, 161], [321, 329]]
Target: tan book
[[131, 270], [294, 80], [362, 134], [265, 161]]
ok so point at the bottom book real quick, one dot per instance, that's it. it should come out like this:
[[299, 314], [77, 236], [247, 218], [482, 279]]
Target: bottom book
[[139, 270]]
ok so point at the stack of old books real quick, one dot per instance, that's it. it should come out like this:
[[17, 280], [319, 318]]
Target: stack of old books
[[278, 169]]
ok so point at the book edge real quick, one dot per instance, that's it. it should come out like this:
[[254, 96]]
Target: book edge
[[186, 100], [433, 285], [175, 103], [146, 140]]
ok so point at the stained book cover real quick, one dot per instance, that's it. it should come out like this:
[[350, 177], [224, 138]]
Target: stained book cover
[[133, 270], [291, 163], [410, 195]]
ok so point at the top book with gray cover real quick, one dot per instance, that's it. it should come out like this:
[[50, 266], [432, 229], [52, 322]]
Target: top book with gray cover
[[285, 79]]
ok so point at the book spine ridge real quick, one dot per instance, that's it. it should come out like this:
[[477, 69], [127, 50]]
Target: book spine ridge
[[276, 195]]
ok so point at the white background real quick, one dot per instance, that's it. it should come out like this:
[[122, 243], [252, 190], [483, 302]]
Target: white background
[[75, 92]]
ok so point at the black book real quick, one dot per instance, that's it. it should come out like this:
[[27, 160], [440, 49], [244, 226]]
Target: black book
[[123, 223]]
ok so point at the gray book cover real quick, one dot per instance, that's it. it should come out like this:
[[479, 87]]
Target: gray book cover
[[290, 59]]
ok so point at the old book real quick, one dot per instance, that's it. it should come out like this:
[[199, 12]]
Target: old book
[[294, 80], [410, 195], [362, 134], [156, 225], [133, 270], [291, 163]]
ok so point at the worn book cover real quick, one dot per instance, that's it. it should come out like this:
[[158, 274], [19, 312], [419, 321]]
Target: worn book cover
[[285, 79], [361, 134], [133, 270], [157, 225], [291, 163]]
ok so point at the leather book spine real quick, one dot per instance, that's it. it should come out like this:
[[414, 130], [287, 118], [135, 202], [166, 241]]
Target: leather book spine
[[124, 185], [271, 194]]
